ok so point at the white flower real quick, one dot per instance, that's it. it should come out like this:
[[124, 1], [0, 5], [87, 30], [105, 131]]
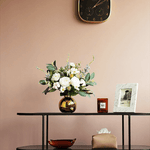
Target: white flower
[[72, 64], [55, 77], [78, 75], [75, 82], [74, 71], [76, 87], [62, 89], [82, 82], [64, 81], [56, 85]]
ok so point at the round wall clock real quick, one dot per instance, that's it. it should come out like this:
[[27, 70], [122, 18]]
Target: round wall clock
[[94, 11]]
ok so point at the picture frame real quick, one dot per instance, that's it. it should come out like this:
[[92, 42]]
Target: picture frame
[[125, 97]]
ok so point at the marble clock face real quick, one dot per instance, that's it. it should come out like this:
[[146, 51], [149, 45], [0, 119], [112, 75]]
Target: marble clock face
[[94, 11]]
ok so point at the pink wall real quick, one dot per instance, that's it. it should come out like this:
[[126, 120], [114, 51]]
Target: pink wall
[[35, 32]]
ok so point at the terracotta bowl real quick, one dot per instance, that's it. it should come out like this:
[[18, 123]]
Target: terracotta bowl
[[62, 143]]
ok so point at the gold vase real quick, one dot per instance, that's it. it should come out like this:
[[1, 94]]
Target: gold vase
[[67, 104]]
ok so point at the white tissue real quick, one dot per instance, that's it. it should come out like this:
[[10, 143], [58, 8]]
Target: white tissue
[[103, 130]]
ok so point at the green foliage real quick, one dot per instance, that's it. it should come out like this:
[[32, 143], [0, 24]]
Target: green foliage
[[87, 77], [55, 64], [88, 95], [73, 93], [61, 69], [92, 76], [46, 91], [52, 90], [82, 93], [43, 82], [50, 67], [91, 83], [66, 71], [85, 93], [62, 94]]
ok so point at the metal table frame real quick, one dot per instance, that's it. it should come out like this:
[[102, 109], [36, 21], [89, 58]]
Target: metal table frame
[[86, 114]]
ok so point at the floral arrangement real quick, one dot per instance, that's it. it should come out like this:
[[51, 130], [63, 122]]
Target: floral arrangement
[[69, 80]]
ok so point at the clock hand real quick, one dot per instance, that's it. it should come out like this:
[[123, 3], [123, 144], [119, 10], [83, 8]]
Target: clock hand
[[98, 3]]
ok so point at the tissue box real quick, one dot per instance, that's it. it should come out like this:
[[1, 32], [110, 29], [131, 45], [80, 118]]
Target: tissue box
[[104, 140]]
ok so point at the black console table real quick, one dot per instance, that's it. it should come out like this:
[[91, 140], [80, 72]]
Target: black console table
[[81, 147]]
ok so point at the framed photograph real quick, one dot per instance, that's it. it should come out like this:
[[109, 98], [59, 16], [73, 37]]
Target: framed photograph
[[126, 97]]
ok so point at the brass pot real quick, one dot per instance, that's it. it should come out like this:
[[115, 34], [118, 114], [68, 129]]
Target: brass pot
[[67, 104]]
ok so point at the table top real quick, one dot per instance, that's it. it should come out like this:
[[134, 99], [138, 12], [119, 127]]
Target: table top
[[83, 147], [80, 114]]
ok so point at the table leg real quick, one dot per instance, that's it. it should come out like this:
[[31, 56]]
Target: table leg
[[129, 131], [123, 132], [47, 132], [42, 132]]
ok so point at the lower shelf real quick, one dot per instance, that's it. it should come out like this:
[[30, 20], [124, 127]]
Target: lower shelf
[[82, 147]]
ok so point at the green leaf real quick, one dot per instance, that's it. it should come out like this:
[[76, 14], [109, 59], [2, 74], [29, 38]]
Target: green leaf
[[92, 76], [73, 93], [46, 91], [82, 93], [85, 90], [90, 83], [88, 95], [62, 94], [43, 82], [51, 67], [52, 90], [55, 64], [87, 77], [89, 92]]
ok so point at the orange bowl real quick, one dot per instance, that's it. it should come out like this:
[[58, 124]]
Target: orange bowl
[[62, 143]]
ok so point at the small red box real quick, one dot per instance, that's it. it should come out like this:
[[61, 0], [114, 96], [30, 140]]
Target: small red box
[[102, 105]]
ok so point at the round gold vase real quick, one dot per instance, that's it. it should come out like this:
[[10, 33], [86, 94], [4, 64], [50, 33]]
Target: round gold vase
[[67, 104]]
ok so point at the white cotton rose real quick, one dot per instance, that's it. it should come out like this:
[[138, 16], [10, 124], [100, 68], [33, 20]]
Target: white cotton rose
[[74, 71], [62, 89], [64, 81], [55, 77], [72, 64], [82, 82], [56, 85], [75, 82], [77, 88]]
